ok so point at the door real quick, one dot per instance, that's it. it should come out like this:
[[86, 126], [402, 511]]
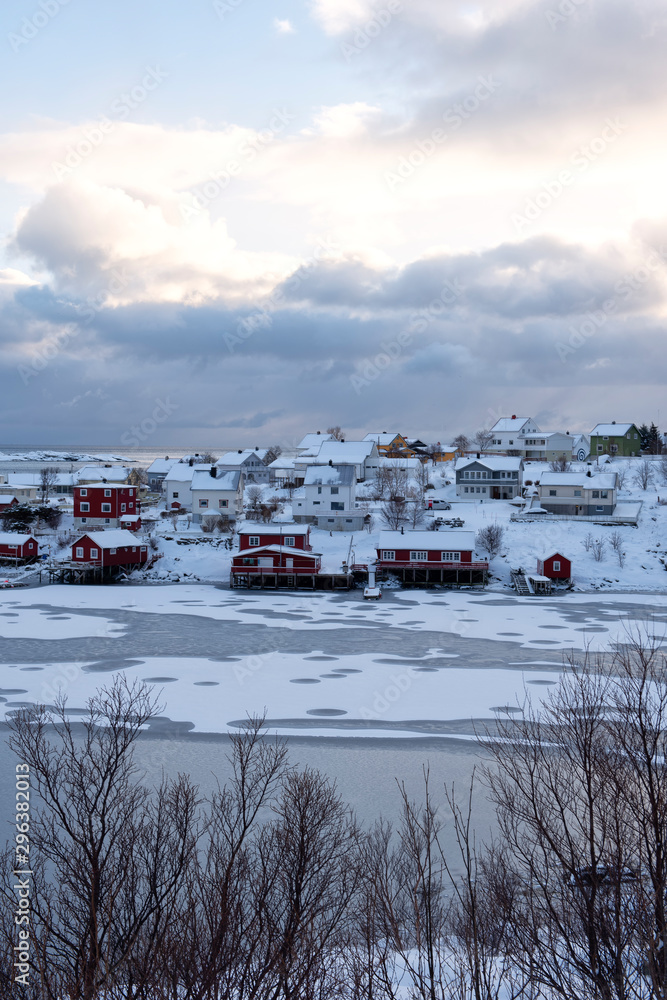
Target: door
[[265, 561]]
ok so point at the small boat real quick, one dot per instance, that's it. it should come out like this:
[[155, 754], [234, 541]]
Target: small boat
[[372, 593]]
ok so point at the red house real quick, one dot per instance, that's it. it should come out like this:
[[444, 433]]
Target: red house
[[109, 549], [103, 505], [424, 557], [7, 502], [279, 555], [555, 567], [17, 548]]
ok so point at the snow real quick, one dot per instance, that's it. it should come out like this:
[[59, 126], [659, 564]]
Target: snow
[[456, 540], [114, 538], [330, 475], [614, 430], [493, 462], [12, 538], [58, 456]]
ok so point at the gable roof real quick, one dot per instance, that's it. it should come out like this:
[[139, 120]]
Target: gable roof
[[455, 540], [598, 481], [382, 439], [287, 549], [313, 440], [274, 528], [183, 472], [494, 463], [239, 457], [161, 465], [611, 430], [511, 423], [331, 475], [14, 538], [118, 538], [344, 452], [202, 480]]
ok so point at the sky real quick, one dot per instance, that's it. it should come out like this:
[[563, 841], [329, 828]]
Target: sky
[[230, 222]]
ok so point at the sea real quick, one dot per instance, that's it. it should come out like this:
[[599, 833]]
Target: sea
[[68, 458]]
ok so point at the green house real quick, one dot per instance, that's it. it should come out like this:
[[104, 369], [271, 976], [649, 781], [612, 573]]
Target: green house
[[615, 439]]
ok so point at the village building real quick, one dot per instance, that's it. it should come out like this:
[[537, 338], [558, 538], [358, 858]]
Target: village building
[[249, 462], [313, 441], [103, 506], [429, 557], [329, 500], [18, 548], [615, 439], [157, 472], [555, 567], [363, 455], [25, 492], [216, 493], [276, 555], [489, 477], [583, 494]]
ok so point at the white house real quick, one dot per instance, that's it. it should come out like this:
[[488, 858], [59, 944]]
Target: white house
[[508, 433], [220, 494], [363, 455], [177, 484], [310, 441], [489, 477], [578, 493], [521, 436], [249, 461], [329, 498], [157, 472]]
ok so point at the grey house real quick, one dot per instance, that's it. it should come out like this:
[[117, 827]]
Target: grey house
[[578, 493], [489, 477]]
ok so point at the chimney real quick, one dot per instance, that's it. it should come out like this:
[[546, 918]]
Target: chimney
[[331, 461], [402, 532], [342, 440], [514, 416], [613, 421], [213, 471], [479, 454], [240, 451], [319, 432]]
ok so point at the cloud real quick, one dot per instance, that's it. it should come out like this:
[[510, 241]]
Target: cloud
[[283, 27]]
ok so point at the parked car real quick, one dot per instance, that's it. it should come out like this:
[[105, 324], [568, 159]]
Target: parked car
[[437, 503]]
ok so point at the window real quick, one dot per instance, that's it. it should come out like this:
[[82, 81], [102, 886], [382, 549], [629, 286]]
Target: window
[[84, 520], [290, 540], [599, 447], [94, 553], [253, 541], [143, 548], [595, 494], [319, 490], [122, 508], [223, 503], [175, 496], [451, 557], [599, 510], [389, 554], [604, 494], [132, 505], [316, 503], [334, 490], [79, 552], [107, 493], [418, 556], [83, 493], [577, 493], [553, 493], [203, 502], [337, 505], [556, 565], [107, 520], [465, 489], [85, 506], [112, 552], [106, 508], [511, 442]]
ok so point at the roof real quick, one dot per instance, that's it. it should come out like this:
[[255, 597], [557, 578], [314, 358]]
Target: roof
[[282, 462], [511, 423], [94, 472], [611, 430], [203, 480], [456, 540], [6, 499], [287, 549], [598, 481], [274, 528], [553, 555], [492, 462], [183, 472], [161, 465], [400, 463], [12, 538], [331, 475], [117, 538], [34, 478], [381, 439], [239, 457], [344, 452], [313, 440], [105, 486]]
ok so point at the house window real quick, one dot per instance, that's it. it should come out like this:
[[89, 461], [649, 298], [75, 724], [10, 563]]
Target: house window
[[106, 508], [577, 493], [451, 557], [112, 552], [94, 553], [604, 494], [337, 505], [175, 496], [599, 447], [599, 510], [107, 493], [253, 541], [85, 506], [203, 503], [143, 548], [389, 554], [290, 540], [107, 520], [556, 565], [319, 490], [83, 493], [418, 556], [595, 494], [334, 490], [465, 489], [122, 508], [79, 552], [223, 503], [84, 520], [553, 493], [511, 442]]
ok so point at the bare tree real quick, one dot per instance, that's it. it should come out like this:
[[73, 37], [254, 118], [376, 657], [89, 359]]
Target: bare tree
[[253, 498], [560, 464], [422, 478], [621, 476], [490, 538], [395, 512], [336, 433], [461, 443], [415, 507], [588, 542], [272, 453], [644, 474], [597, 549], [483, 438], [48, 477], [137, 477], [290, 486]]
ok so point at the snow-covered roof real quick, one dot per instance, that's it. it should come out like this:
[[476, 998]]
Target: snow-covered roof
[[282, 463], [96, 474], [344, 452], [239, 457], [400, 463], [161, 465], [381, 439], [313, 440], [495, 463], [12, 538], [330, 475], [598, 481], [105, 486], [34, 478], [455, 540], [286, 549], [511, 424], [611, 430], [274, 528], [117, 538], [202, 480], [183, 472], [6, 500]]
